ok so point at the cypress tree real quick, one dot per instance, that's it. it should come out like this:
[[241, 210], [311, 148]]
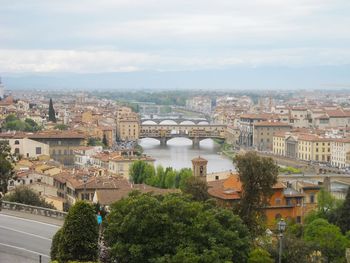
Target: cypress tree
[[52, 115], [104, 140], [344, 214], [79, 237]]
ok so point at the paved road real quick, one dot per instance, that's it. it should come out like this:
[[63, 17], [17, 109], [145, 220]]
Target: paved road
[[23, 240]]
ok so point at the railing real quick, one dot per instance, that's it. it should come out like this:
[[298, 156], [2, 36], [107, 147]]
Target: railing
[[37, 210]]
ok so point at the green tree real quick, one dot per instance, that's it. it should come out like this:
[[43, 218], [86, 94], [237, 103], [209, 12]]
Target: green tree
[[31, 125], [104, 140], [343, 215], [79, 239], [94, 142], [140, 171], [183, 174], [56, 240], [258, 175], [328, 239], [61, 127], [325, 202], [52, 114], [259, 255], [25, 195], [197, 188], [6, 165], [172, 228]]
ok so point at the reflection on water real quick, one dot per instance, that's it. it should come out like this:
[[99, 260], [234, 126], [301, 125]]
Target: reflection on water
[[178, 154]]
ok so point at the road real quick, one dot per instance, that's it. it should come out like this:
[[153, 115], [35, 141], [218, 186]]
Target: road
[[23, 240]]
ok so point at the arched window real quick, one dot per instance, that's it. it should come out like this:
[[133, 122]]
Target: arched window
[[16, 141]]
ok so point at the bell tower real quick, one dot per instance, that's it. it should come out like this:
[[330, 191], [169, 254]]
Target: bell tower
[[199, 167]]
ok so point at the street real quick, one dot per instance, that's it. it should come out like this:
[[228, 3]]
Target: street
[[23, 240]]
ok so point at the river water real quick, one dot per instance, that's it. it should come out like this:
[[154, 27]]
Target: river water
[[179, 152]]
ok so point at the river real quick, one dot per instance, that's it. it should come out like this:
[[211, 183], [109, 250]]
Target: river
[[179, 152]]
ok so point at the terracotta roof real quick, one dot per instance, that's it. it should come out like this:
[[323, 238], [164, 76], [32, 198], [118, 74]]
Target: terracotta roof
[[56, 135], [272, 124], [199, 160]]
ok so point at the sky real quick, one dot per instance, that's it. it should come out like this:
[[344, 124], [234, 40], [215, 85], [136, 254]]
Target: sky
[[245, 44]]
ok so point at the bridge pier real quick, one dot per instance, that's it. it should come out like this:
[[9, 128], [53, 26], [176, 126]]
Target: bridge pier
[[163, 141], [195, 142]]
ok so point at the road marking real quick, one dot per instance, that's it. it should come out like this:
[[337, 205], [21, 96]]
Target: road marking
[[24, 249], [26, 233], [30, 220]]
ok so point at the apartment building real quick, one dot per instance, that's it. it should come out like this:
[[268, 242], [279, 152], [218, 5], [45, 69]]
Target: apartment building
[[264, 131], [340, 153]]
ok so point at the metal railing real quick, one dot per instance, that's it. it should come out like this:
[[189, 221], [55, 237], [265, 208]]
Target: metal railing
[[37, 210]]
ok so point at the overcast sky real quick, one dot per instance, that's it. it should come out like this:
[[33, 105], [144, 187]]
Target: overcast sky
[[100, 36]]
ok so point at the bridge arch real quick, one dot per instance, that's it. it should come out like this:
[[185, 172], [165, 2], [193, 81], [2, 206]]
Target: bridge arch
[[187, 123], [203, 123], [149, 122], [168, 122]]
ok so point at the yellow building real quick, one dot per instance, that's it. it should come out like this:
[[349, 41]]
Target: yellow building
[[128, 127], [278, 145], [312, 147], [302, 146]]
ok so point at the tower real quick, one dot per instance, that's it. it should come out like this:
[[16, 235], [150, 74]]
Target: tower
[[199, 167], [2, 90]]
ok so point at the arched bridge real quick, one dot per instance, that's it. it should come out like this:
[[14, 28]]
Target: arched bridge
[[181, 121], [194, 132]]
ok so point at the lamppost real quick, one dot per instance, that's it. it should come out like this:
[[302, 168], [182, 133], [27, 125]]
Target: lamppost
[[85, 178], [281, 228]]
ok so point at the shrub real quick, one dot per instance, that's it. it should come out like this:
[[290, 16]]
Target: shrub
[[54, 253], [79, 239]]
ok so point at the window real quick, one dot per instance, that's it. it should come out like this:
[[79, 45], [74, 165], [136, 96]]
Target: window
[[216, 177], [38, 150], [312, 198], [17, 151], [278, 216], [299, 219], [278, 201], [16, 141]]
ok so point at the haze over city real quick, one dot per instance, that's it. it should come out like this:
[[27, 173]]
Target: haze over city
[[175, 44]]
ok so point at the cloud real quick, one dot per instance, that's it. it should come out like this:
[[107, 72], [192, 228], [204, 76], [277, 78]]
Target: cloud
[[167, 35], [97, 61]]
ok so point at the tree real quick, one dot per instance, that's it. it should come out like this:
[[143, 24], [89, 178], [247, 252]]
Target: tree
[[196, 187], [52, 114], [61, 127], [56, 240], [6, 165], [327, 238], [79, 239], [104, 140], [260, 255], [343, 218], [173, 228], [257, 175], [140, 171], [25, 195], [94, 142]]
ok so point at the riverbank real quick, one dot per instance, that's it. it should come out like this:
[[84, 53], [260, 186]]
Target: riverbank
[[226, 149]]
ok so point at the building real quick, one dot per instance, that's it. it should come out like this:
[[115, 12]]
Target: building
[[199, 167], [246, 126], [62, 144], [286, 202], [128, 126], [22, 146], [120, 164], [340, 153], [264, 131]]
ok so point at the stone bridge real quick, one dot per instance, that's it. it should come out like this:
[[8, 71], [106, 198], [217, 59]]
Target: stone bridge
[[178, 121], [196, 133]]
